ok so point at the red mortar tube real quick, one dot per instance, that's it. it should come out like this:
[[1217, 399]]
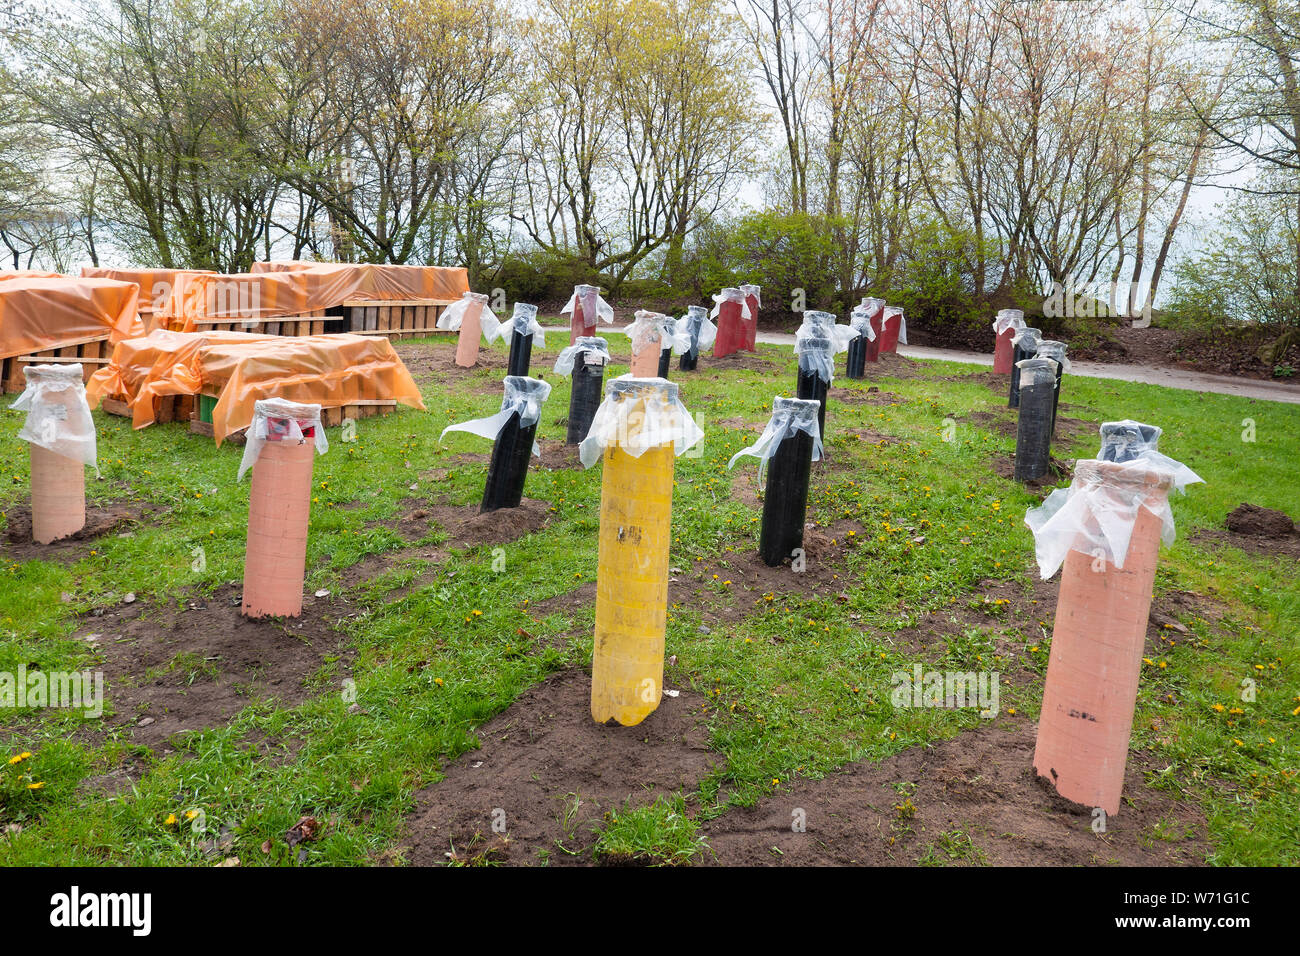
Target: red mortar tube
[[471, 331], [1002, 349], [731, 334], [583, 317], [877, 326], [749, 327], [279, 508], [890, 323], [1097, 642]]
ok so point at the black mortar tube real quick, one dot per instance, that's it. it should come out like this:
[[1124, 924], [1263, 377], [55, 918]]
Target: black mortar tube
[[856, 362], [1034, 432], [665, 356], [810, 384], [785, 501], [521, 355], [509, 465], [588, 381]]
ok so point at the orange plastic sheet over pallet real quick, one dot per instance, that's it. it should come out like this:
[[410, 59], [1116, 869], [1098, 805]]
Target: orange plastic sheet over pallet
[[302, 289], [44, 313], [348, 282], [241, 367], [157, 286]]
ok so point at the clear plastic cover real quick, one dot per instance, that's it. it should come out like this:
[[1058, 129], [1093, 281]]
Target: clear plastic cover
[[732, 295], [521, 394], [591, 303], [695, 328], [654, 329], [821, 325], [1096, 514], [524, 321], [789, 415], [587, 346], [639, 414], [1036, 371], [1027, 338], [454, 314], [755, 291], [1054, 350], [58, 415], [816, 355], [275, 419], [890, 312], [1008, 319], [860, 317]]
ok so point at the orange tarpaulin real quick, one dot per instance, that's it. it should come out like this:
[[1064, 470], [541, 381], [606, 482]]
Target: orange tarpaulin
[[329, 370], [156, 285], [241, 367], [39, 314], [6, 276], [336, 283], [160, 363]]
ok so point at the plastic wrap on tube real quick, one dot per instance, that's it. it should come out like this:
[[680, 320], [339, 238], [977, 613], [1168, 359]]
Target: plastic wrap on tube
[[1096, 514], [696, 328], [586, 345], [591, 302], [58, 417], [454, 314], [655, 329], [523, 395], [523, 321], [275, 419], [731, 295], [1027, 338], [789, 415], [1054, 350], [639, 414], [821, 325], [860, 317], [816, 355], [1008, 319], [754, 290], [890, 312], [1036, 371]]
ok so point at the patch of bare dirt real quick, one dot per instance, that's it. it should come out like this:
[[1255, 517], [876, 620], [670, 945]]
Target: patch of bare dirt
[[746, 361], [1258, 531], [465, 526], [871, 395], [111, 517], [549, 773], [970, 800], [557, 456], [1004, 466], [168, 670]]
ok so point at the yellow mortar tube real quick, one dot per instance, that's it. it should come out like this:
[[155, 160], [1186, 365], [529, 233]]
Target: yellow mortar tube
[[636, 511]]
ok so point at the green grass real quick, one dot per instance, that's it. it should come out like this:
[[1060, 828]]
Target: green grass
[[795, 690]]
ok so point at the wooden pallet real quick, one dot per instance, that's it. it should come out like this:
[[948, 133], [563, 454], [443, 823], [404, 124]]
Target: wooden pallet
[[90, 352], [331, 416], [166, 408], [395, 319], [316, 322]]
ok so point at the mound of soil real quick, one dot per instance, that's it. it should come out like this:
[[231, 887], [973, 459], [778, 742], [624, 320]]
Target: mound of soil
[[550, 772], [1259, 522], [970, 800], [1258, 531], [108, 518]]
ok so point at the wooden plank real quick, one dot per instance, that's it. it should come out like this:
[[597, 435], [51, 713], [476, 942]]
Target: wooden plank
[[113, 406], [370, 302], [372, 318], [331, 416], [318, 328]]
